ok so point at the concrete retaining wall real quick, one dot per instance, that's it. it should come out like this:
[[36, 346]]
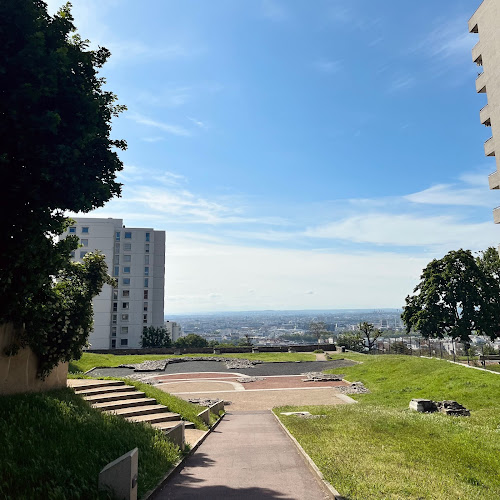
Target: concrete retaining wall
[[18, 373]]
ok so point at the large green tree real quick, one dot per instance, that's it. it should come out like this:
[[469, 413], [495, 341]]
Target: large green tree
[[191, 340], [56, 153], [457, 296]]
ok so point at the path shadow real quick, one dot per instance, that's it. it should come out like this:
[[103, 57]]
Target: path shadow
[[192, 492]]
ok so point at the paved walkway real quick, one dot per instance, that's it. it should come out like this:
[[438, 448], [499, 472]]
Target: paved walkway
[[247, 457]]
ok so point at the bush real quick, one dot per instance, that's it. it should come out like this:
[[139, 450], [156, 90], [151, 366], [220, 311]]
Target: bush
[[155, 337]]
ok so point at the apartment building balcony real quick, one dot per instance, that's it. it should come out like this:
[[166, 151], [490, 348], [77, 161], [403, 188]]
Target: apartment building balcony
[[481, 83], [494, 180], [473, 28], [484, 116], [477, 55], [496, 215], [489, 147]]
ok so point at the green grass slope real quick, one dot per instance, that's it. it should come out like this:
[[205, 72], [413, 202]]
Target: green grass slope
[[53, 445], [379, 449]]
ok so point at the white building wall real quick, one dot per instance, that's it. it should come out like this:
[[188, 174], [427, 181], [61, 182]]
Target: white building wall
[[136, 259]]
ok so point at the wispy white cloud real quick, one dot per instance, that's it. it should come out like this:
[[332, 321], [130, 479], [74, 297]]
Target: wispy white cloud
[[156, 138], [166, 127], [198, 123], [327, 66], [401, 83]]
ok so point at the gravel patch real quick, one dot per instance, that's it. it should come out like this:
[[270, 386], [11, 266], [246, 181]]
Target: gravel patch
[[247, 380], [321, 377]]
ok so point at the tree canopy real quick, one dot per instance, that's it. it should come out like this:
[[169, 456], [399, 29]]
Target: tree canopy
[[155, 337], [56, 152], [457, 296], [191, 340]]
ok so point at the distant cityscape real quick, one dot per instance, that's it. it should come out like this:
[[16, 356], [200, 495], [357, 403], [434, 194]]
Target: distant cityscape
[[284, 327]]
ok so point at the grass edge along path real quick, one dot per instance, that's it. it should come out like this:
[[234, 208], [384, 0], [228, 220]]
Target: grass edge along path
[[53, 445], [380, 449], [91, 360]]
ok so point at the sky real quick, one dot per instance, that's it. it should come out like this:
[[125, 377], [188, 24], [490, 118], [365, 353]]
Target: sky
[[299, 154]]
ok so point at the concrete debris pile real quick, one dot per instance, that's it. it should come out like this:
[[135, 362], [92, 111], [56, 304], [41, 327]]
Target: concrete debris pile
[[247, 380], [301, 414], [447, 407], [161, 364], [148, 366], [321, 377], [205, 402], [354, 388]]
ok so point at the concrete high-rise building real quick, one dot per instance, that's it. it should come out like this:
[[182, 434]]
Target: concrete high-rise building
[[136, 259], [486, 53]]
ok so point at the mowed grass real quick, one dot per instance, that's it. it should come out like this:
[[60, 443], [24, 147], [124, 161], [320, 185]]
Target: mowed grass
[[53, 445], [91, 360], [379, 449]]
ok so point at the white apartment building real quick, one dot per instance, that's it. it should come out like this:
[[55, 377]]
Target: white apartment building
[[174, 330], [136, 259], [486, 54]]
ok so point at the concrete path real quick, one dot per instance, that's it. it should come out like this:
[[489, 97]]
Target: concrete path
[[247, 457]]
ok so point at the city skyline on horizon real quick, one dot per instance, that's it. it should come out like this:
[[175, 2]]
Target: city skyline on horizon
[[326, 160]]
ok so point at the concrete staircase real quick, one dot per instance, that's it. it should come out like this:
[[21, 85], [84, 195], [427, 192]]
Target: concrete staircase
[[114, 396]]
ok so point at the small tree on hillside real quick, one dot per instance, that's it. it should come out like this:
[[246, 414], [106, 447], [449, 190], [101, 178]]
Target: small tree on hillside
[[155, 337], [318, 329], [369, 333]]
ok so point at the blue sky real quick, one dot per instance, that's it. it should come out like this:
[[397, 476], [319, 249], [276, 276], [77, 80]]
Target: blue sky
[[299, 154]]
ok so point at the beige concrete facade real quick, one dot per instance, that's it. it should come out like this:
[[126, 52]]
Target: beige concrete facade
[[486, 54], [19, 373]]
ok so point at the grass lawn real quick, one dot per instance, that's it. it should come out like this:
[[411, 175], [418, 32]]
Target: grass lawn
[[91, 360], [53, 445], [378, 449]]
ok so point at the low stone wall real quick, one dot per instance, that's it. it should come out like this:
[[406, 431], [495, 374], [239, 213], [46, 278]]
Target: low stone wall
[[210, 350], [18, 373]]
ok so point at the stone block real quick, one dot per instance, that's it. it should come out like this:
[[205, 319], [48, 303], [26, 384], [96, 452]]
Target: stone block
[[216, 351], [423, 405], [120, 476], [205, 416], [177, 435]]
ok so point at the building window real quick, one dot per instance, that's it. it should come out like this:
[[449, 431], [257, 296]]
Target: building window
[[117, 236], [126, 270], [113, 331], [116, 271], [83, 253], [146, 259], [126, 281], [127, 247], [114, 319], [146, 293], [116, 260], [117, 247], [127, 258], [73, 254], [125, 305], [123, 341], [146, 247], [113, 344], [124, 317], [146, 271], [147, 236], [125, 293], [145, 318], [84, 242], [146, 282], [145, 307], [128, 235], [85, 229], [115, 294], [72, 230], [115, 306], [124, 330]]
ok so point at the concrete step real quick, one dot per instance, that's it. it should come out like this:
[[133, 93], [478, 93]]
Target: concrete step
[[138, 410], [152, 418], [82, 384], [104, 390], [193, 436], [124, 403], [114, 396], [165, 426]]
